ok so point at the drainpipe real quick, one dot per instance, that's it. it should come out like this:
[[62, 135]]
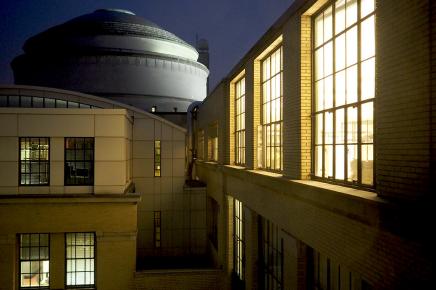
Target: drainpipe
[[192, 142]]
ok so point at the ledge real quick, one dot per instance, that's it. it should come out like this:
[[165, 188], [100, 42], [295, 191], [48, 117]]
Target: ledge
[[69, 198]]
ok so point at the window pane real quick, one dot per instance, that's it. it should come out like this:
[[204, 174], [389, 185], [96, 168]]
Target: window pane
[[328, 92], [319, 129], [328, 161], [328, 128], [368, 79], [352, 162], [319, 63], [340, 88], [319, 31], [351, 12], [319, 95], [352, 125], [340, 162], [328, 23], [340, 126], [351, 39], [352, 84], [340, 52], [339, 16], [367, 164], [366, 7], [367, 38], [328, 58], [367, 122]]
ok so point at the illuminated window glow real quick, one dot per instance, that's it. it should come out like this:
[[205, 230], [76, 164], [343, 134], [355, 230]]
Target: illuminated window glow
[[34, 161], [80, 259], [272, 111], [240, 121], [157, 158], [344, 83], [34, 261]]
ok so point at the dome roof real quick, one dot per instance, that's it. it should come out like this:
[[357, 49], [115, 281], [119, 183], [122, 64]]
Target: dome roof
[[109, 30]]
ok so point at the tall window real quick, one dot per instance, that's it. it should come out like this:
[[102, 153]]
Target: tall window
[[34, 261], [200, 149], [240, 121], [80, 259], [272, 255], [272, 112], [79, 161], [157, 229], [343, 110], [212, 143], [212, 221], [34, 161], [157, 158], [238, 240]]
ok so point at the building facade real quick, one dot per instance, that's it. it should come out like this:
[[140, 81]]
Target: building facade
[[90, 191], [317, 150]]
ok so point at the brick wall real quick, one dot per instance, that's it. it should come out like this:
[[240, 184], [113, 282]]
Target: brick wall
[[402, 108]]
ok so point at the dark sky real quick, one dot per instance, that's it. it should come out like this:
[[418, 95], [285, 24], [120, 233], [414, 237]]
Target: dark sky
[[230, 26]]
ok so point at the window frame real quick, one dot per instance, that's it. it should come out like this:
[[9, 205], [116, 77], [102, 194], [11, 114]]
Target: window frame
[[39, 162], [92, 162], [87, 286], [20, 260], [357, 104], [240, 159], [263, 145], [157, 164], [157, 224], [239, 239]]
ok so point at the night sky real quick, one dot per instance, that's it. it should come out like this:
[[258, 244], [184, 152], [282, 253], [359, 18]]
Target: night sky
[[231, 26]]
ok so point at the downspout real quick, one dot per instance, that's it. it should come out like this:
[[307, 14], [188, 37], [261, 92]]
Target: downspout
[[192, 142]]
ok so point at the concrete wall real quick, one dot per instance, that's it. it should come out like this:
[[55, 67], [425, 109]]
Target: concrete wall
[[112, 219], [111, 129]]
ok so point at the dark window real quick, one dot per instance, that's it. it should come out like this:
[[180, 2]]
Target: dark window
[[79, 161], [80, 259], [34, 161], [212, 221], [272, 255], [34, 261], [157, 229], [238, 242]]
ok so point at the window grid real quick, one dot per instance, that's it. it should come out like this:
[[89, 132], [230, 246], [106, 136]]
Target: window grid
[[40, 102], [240, 121], [239, 239], [157, 229], [272, 255], [34, 272], [344, 86], [272, 111], [34, 161], [80, 260], [157, 158], [79, 161]]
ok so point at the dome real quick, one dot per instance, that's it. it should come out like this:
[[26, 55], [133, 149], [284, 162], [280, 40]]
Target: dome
[[106, 30], [115, 54]]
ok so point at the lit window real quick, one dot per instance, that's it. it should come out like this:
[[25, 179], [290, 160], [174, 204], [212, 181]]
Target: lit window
[[80, 259], [34, 261], [157, 229], [272, 112], [238, 240], [240, 121], [344, 82], [272, 256], [34, 161], [157, 158], [153, 109], [79, 161]]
